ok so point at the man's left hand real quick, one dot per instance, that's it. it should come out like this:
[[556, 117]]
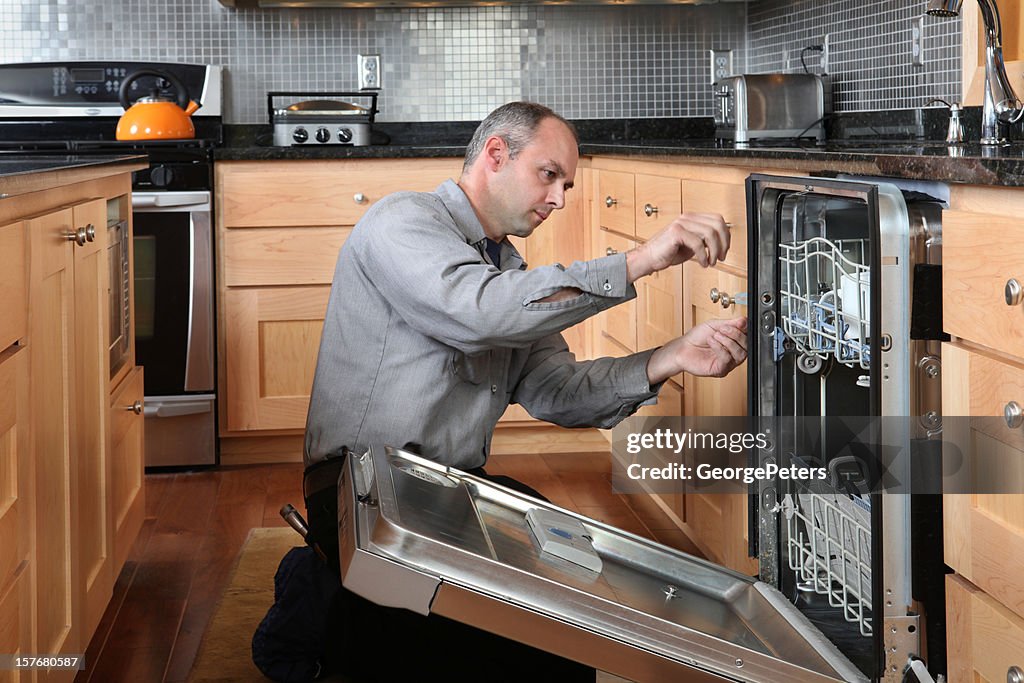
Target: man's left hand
[[712, 349]]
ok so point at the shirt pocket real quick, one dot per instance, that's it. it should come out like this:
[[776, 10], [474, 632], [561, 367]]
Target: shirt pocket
[[473, 368]]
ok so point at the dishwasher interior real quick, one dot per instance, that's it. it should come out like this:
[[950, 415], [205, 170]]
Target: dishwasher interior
[[845, 292]]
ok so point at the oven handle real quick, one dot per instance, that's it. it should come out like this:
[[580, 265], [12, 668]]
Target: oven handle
[[149, 200]]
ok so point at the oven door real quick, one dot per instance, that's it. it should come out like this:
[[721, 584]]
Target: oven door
[[173, 253]]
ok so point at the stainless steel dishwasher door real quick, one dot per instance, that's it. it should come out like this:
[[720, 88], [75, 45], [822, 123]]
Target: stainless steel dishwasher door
[[417, 535]]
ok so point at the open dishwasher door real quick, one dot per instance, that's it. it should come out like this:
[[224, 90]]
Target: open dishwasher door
[[421, 536]]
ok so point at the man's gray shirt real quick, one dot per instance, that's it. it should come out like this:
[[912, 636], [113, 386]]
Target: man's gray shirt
[[425, 341]]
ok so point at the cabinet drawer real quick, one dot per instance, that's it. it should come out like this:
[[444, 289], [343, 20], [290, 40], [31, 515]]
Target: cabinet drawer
[[618, 322], [729, 200], [13, 299], [318, 193], [615, 197], [981, 254], [657, 203], [292, 256], [984, 639]]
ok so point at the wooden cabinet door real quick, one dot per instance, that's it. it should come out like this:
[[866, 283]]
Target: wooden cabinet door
[[657, 203], [15, 505], [618, 323], [985, 640], [659, 309], [127, 459], [53, 425], [728, 198], [717, 522], [13, 312], [95, 578], [616, 202], [273, 335], [982, 254], [984, 533]]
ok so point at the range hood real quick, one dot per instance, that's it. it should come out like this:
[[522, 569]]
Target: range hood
[[245, 4]]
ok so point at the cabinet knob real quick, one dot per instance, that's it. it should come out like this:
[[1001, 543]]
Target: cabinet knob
[[650, 210], [135, 408], [79, 237], [359, 198], [1014, 294], [90, 232], [721, 297], [1014, 675], [1014, 416], [610, 252], [610, 202]]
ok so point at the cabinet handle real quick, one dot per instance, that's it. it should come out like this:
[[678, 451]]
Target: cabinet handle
[[135, 408], [78, 236], [359, 198], [610, 202], [1014, 675], [650, 210], [90, 232], [1014, 294], [610, 252], [1014, 416]]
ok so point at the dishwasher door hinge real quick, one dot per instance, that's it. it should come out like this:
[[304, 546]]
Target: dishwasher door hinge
[[902, 641]]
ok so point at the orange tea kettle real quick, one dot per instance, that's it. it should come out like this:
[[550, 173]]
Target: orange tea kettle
[[156, 116]]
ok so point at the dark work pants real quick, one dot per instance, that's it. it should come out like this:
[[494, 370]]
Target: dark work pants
[[389, 645]]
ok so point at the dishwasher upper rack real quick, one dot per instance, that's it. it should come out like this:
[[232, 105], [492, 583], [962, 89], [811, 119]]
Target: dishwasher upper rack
[[824, 295]]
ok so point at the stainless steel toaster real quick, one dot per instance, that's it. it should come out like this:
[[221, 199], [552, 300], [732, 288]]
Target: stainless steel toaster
[[756, 106]]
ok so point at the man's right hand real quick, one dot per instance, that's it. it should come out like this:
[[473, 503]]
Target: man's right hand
[[700, 236]]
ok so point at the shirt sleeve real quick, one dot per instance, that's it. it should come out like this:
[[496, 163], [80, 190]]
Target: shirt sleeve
[[556, 387], [422, 264]]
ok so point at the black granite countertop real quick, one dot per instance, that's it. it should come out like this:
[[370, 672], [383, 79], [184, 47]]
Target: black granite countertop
[[889, 145], [23, 163]]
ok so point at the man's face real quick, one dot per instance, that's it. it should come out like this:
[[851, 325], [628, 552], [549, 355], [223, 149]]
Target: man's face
[[528, 188]]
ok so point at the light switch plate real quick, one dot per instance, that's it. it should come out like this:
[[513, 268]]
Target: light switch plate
[[369, 72], [721, 64]]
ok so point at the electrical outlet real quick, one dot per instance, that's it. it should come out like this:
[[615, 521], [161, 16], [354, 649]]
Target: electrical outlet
[[824, 54], [917, 41], [721, 64], [368, 67]]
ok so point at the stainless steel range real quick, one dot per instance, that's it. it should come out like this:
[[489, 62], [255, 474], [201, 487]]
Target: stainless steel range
[[73, 108]]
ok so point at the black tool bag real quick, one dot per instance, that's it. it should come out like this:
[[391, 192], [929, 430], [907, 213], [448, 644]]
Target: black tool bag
[[297, 639]]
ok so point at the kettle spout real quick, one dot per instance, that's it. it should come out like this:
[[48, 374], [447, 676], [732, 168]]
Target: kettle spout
[[192, 107]]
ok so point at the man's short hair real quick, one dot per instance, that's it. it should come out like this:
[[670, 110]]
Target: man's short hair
[[515, 123]]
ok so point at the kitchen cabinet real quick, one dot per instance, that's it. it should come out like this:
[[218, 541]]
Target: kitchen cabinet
[[972, 47], [56, 515], [983, 376], [280, 225], [127, 443]]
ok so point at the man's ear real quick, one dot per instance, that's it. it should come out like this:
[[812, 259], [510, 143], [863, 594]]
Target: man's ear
[[495, 152]]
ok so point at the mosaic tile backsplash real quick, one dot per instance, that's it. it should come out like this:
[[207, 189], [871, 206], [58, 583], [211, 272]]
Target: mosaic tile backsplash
[[459, 63]]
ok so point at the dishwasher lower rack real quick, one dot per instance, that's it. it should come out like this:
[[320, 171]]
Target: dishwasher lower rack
[[828, 548], [432, 539], [824, 292]]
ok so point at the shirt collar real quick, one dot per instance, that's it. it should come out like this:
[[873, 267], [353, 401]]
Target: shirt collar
[[457, 203]]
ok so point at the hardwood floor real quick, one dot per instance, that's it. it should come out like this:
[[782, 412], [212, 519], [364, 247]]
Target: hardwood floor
[[196, 522]]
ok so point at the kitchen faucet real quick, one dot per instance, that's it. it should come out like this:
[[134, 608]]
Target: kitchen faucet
[[1000, 101]]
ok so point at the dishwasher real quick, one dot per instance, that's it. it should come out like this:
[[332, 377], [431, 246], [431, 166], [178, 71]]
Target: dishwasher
[[432, 539], [845, 292]]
